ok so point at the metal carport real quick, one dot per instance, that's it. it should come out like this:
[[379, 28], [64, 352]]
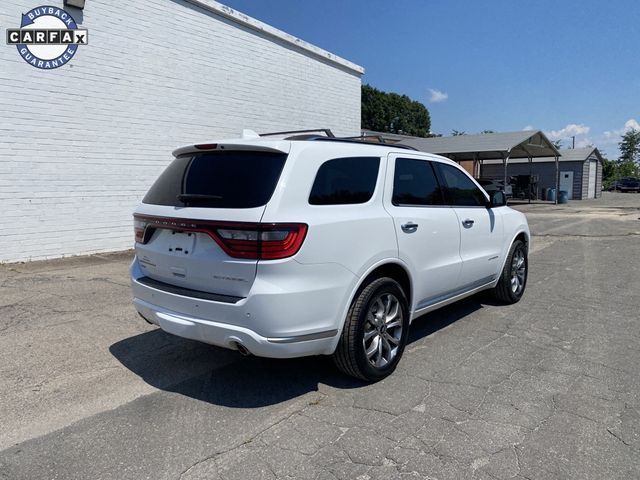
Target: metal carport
[[474, 149]]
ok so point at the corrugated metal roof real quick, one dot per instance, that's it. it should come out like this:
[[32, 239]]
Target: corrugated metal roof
[[489, 145], [567, 155], [579, 154]]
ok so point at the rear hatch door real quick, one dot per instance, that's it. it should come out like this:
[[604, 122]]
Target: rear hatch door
[[200, 197]]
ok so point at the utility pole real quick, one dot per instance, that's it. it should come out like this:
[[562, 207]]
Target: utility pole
[[573, 143]]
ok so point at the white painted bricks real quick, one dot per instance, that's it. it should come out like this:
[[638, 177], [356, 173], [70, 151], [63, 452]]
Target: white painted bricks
[[80, 145]]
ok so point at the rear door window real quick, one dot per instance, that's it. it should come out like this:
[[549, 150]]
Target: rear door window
[[225, 179], [415, 183], [343, 181], [459, 189]]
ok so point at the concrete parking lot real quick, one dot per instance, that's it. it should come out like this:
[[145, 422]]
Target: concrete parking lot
[[547, 388]]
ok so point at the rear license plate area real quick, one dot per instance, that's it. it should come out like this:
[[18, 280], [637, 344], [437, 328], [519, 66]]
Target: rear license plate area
[[181, 243]]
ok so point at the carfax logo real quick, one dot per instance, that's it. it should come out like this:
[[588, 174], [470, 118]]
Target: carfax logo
[[48, 37]]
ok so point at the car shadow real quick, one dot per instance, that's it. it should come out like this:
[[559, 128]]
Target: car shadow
[[224, 377]]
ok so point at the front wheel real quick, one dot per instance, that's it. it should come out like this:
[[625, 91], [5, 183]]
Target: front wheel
[[375, 331], [513, 279]]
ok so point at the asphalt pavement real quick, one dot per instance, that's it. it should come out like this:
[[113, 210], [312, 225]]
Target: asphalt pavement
[[548, 388]]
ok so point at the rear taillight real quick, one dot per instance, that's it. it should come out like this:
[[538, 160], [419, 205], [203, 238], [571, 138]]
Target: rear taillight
[[139, 226], [256, 241], [265, 241]]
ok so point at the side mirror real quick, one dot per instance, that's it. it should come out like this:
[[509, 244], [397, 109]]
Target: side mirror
[[497, 198]]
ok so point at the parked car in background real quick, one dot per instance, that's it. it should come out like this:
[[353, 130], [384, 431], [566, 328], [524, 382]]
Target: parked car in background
[[315, 245], [613, 186], [494, 185], [628, 184]]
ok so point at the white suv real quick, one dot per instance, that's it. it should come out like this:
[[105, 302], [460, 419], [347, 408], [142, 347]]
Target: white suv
[[311, 245]]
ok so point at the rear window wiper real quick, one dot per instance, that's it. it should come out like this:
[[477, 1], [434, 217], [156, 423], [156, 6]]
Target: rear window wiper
[[190, 197]]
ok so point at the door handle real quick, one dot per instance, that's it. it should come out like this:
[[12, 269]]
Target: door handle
[[409, 227], [468, 223]]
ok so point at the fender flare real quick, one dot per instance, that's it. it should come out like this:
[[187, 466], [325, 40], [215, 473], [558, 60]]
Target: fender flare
[[359, 283], [521, 229]]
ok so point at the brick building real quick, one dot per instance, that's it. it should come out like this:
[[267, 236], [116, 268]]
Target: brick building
[[79, 145]]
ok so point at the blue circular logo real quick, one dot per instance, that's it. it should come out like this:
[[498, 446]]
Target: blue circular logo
[[48, 37]]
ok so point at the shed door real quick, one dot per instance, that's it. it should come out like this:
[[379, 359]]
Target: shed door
[[593, 168], [566, 183]]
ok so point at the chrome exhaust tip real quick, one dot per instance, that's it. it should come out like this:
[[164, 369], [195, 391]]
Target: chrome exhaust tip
[[243, 350]]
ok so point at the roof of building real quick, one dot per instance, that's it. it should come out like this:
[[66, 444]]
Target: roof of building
[[579, 154], [522, 144], [252, 23], [567, 155]]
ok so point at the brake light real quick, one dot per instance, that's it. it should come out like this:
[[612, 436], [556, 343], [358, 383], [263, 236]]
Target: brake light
[[257, 241], [207, 146], [264, 242]]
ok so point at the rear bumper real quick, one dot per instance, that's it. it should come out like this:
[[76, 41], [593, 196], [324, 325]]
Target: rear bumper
[[229, 336], [277, 319]]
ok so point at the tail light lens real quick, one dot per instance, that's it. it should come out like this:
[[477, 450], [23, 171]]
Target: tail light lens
[[257, 241], [266, 241], [139, 226]]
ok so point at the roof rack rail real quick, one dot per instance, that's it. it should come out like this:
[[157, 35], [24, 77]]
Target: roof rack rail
[[312, 135], [326, 131], [364, 137], [354, 140]]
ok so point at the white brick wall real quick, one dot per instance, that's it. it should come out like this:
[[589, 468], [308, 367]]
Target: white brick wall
[[81, 144]]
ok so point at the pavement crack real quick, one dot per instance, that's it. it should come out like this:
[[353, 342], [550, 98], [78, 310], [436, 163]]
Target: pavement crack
[[243, 442], [619, 438]]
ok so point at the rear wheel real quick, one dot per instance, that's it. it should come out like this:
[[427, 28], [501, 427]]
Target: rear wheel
[[513, 279], [375, 331]]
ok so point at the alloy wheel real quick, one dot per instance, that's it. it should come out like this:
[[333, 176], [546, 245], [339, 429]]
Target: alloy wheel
[[383, 330], [518, 271]]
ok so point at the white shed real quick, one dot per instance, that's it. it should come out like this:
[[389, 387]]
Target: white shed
[[79, 145]]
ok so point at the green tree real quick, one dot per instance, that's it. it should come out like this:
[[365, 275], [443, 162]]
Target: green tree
[[609, 168], [394, 113], [557, 144], [628, 165], [630, 147], [627, 168], [457, 133]]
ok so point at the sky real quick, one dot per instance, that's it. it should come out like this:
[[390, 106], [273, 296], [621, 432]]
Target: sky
[[566, 67]]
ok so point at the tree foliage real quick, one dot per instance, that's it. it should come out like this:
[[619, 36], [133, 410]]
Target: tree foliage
[[608, 170], [628, 164], [394, 113], [630, 146]]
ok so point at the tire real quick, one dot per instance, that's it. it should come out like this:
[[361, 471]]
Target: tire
[[385, 339], [513, 279]]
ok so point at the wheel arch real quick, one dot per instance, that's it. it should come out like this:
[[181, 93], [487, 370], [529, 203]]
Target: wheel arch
[[390, 267], [394, 270], [522, 234]]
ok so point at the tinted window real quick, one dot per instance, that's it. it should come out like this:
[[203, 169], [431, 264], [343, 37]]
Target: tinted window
[[232, 179], [415, 183], [459, 189], [345, 181]]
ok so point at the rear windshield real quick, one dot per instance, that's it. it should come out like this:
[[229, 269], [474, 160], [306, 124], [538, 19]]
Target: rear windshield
[[231, 179]]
